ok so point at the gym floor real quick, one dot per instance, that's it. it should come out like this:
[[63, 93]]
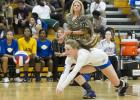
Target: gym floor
[[46, 91]]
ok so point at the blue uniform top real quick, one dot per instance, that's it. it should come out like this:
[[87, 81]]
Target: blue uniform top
[[44, 48], [10, 49], [132, 3], [1, 48]]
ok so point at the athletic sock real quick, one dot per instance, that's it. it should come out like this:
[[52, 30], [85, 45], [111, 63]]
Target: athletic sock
[[37, 74], [17, 72], [87, 87], [25, 73], [5, 74]]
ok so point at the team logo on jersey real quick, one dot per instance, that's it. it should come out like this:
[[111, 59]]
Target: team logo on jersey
[[9, 50], [44, 47]]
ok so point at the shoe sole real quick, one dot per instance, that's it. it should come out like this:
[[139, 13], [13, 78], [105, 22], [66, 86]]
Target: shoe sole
[[89, 98]]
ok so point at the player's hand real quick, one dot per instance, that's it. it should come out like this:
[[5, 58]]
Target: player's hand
[[59, 91]]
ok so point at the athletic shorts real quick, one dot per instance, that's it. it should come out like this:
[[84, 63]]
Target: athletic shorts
[[103, 66]]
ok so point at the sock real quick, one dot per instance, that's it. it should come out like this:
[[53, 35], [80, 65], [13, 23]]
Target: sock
[[25, 73], [87, 87], [5, 74], [37, 74], [17, 72], [121, 84]]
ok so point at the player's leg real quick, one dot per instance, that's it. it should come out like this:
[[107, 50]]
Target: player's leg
[[17, 70], [81, 80], [50, 67], [5, 67], [86, 86], [26, 77], [110, 73], [112, 76], [38, 69]]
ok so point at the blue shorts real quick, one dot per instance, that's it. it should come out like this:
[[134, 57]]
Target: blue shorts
[[103, 66]]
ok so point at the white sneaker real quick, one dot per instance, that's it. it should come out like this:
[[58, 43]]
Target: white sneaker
[[17, 79], [5, 80], [49, 74]]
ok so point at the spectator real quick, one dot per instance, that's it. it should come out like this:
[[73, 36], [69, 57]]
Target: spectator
[[99, 23], [135, 10], [29, 45], [59, 52], [67, 5], [44, 12], [109, 46], [10, 47], [98, 5], [8, 14], [35, 26], [2, 31], [78, 26], [57, 11], [21, 15], [44, 53]]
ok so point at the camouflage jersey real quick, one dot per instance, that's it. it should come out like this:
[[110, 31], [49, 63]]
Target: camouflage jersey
[[80, 23]]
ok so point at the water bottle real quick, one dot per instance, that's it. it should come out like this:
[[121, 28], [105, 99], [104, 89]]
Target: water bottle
[[133, 35]]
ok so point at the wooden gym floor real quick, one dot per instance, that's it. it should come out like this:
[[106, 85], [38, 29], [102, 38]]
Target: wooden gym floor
[[46, 91]]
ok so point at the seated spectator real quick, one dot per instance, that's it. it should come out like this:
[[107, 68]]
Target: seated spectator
[[8, 10], [39, 21], [59, 52], [30, 4], [1, 54], [98, 5], [44, 11], [10, 47], [67, 5], [108, 45], [57, 11], [21, 15], [29, 45], [35, 26], [99, 23], [2, 31], [44, 54], [135, 10]]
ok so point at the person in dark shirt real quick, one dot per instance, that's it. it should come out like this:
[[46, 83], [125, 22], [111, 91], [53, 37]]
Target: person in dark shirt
[[20, 17], [59, 52]]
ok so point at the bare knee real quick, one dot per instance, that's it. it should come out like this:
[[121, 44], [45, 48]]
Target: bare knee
[[5, 59]]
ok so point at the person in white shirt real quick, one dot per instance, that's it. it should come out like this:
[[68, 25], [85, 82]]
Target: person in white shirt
[[44, 11], [109, 47], [87, 60], [98, 5]]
